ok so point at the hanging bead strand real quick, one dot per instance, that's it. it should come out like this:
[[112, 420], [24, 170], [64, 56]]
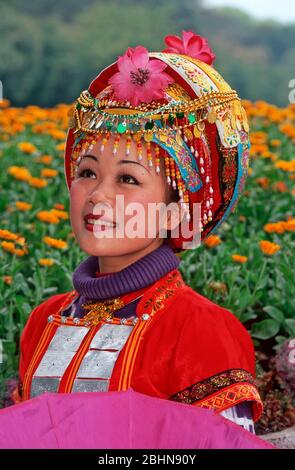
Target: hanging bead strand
[[104, 142]]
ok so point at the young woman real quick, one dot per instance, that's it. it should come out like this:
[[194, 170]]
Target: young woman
[[153, 130]]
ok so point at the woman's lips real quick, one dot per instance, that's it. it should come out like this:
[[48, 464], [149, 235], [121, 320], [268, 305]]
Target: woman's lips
[[97, 224]]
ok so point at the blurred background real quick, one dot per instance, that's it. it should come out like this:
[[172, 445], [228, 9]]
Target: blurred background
[[51, 49]]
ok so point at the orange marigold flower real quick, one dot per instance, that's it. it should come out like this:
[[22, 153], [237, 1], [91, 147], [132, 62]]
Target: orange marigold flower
[[263, 181], [27, 147], [242, 218], [60, 214], [7, 235], [60, 147], [46, 159], [20, 173], [285, 165], [55, 243], [48, 172], [37, 182], [239, 258], [275, 142], [268, 248], [289, 225], [212, 240], [276, 227], [4, 103], [280, 186], [46, 261], [59, 206], [8, 246], [7, 280], [46, 216], [20, 252], [57, 134], [23, 206]]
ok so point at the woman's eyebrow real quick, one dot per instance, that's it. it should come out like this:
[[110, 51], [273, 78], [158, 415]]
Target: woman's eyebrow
[[120, 162]]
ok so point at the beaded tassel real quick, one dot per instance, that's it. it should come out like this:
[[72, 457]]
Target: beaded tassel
[[172, 172], [167, 169], [157, 159], [104, 141], [139, 150], [149, 153], [116, 144], [128, 145], [209, 190]]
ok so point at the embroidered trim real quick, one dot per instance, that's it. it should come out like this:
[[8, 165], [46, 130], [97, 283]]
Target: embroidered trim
[[151, 306], [232, 396], [221, 391]]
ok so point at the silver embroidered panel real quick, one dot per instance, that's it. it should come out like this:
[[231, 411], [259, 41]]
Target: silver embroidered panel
[[43, 384], [111, 336], [97, 364], [81, 385], [67, 338], [54, 363]]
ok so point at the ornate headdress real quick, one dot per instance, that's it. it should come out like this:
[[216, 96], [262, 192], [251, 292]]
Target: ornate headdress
[[187, 115]]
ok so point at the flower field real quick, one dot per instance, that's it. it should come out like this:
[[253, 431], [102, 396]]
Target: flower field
[[247, 266]]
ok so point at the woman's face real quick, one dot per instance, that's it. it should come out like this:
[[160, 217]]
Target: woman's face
[[122, 190]]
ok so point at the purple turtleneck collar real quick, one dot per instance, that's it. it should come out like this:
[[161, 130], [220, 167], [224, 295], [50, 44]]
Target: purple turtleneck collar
[[137, 275]]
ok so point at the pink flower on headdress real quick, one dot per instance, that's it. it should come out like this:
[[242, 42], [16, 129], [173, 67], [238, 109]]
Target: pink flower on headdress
[[191, 45], [140, 79]]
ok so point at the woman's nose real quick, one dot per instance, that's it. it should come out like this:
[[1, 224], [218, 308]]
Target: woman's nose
[[101, 193]]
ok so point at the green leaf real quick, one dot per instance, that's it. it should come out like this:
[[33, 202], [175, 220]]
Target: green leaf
[[274, 313], [290, 324], [265, 329]]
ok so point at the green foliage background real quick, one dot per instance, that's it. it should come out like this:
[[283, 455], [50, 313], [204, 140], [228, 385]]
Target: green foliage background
[[50, 50]]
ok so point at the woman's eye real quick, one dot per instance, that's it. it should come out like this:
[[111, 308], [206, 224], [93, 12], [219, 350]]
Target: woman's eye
[[128, 177], [85, 173]]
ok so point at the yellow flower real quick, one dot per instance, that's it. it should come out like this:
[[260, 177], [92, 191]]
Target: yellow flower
[[46, 262], [239, 258], [212, 240], [27, 147], [48, 172], [218, 286], [55, 243], [37, 182], [20, 173], [23, 206], [268, 248], [49, 217]]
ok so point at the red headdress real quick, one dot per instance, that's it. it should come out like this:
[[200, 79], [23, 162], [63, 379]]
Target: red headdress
[[178, 105]]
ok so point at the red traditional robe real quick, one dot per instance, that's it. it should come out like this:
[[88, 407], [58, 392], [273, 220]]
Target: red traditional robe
[[181, 347]]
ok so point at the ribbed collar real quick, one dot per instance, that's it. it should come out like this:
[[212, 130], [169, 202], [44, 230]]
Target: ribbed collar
[[137, 275]]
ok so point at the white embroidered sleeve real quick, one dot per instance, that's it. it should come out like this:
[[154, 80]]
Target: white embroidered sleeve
[[241, 414]]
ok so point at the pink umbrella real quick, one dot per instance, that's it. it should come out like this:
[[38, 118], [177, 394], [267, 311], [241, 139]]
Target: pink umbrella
[[118, 420]]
